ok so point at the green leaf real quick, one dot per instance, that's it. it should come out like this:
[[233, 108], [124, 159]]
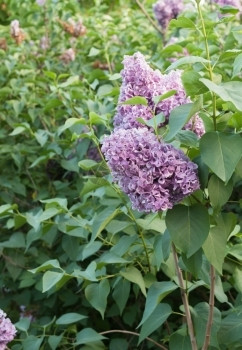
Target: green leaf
[[54, 341], [182, 22], [96, 294], [87, 164], [192, 84], [179, 116], [49, 264], [153, 122], [200, 315], [156, 293], [218, 192], [186, 60], [32, 342], [237, 66], [70, 81], [69, 318], [180, 340], [221, 152], [89, 274], [50, 279], [215, 245], [155, 320], [231, 328], [164, 96], [93, 52], [88, 335], [229, 91], [23, 324], [121, 294], [102, 220], [194, 263], [188, 227], [134, 275], [136, 100]]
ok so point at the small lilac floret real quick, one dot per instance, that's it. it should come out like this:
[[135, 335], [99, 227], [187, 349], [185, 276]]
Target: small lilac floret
[[166, 10], [154, 175], [7, 330]]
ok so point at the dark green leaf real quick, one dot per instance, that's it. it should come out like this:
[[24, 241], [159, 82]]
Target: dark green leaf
[[188, 227]]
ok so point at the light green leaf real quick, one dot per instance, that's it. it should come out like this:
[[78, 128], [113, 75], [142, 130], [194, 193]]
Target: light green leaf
[[231, 328], [50, 279], [188, 227], [229, 91], [237, 66], [32, 342], [221, 152], [156, 293], [50, 264], [88, 335], [155, 320], [186, 60], [136, 100], [54, 341], [93, 52], [69, 318], [23, 324], [96, 294], [134, 275], [89, 274], [70, 81], [182, 22], [164, 96]]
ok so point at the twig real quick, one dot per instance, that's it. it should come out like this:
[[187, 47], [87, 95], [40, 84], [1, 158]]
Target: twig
[[211, 309], [134, 333], [184, 300], [148, 17]]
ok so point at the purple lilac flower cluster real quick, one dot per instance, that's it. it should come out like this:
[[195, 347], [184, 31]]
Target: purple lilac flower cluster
[[154, 175], [139, 79], [166, 10], [7, 330]]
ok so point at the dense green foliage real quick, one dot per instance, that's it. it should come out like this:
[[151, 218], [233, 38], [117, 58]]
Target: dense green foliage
[[75, 260]]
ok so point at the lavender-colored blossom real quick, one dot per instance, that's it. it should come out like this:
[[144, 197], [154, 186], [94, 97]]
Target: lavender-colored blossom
[[196, 125], [139, 79], [7, 330], [166, 10], [154, 175], [234, 3]]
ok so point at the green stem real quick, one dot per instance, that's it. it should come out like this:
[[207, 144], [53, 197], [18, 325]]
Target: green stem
[[148, 17], [209, 67]]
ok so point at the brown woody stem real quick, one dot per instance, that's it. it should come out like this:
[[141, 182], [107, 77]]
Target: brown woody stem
[[184, 300], [211, 309], [136, 334]]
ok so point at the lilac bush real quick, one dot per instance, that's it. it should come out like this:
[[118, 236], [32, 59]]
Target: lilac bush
[[234, 3], [153, 174], [7, 330], [166, 10]]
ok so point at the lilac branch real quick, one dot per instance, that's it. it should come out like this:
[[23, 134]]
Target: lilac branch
[[184, 300], [134, 333], [148, 17]]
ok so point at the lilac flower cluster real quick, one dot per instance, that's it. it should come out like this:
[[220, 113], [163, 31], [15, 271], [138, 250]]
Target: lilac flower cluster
[[166, 10], [154, 175], [7, 330], [139, 79]]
